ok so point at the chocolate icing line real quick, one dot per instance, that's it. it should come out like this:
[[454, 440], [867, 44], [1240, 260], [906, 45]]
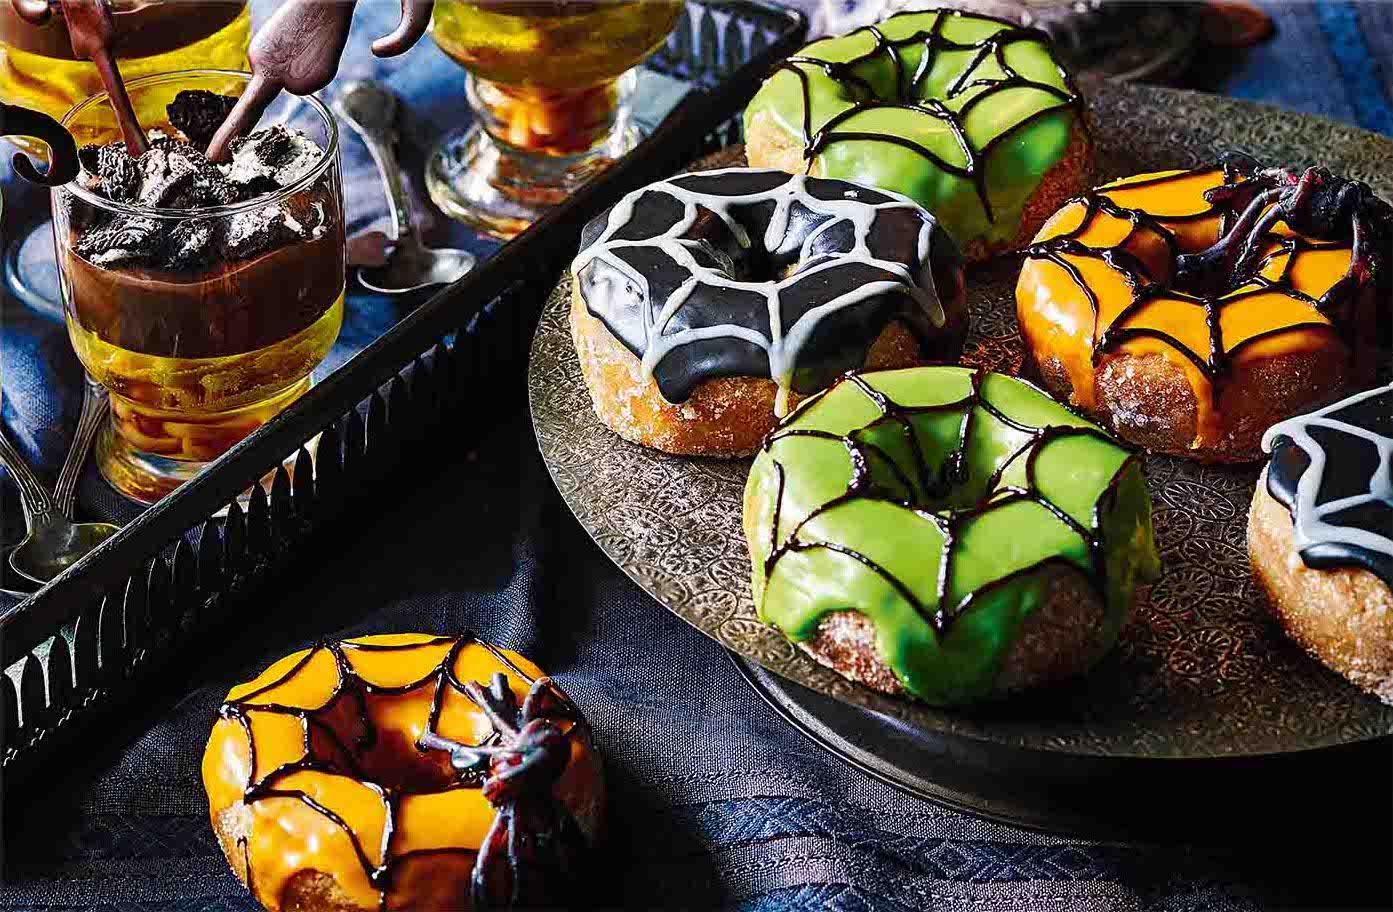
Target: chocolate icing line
[[933, 41], [351, 684], [782, 346], [1340, 545], [1215, 363], [948, 521]]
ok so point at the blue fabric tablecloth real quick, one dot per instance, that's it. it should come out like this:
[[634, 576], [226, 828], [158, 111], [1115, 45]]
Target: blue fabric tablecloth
[[715, 801]]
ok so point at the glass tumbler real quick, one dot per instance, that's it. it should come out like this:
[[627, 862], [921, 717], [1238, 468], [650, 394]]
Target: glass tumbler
[[197, 352]]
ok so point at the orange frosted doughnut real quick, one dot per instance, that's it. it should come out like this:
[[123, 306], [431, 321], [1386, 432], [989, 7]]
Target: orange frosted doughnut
[[1184, 312], [402, 772]]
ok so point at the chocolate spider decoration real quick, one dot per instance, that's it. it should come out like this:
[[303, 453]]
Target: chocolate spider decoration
[[63, 162], [534, 854], [1314, 202]]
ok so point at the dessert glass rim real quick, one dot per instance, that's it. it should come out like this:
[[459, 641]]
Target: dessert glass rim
[[308, 179]]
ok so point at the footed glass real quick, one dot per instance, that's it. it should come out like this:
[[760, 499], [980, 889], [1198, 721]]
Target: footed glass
[[203, 323], [550, 84]]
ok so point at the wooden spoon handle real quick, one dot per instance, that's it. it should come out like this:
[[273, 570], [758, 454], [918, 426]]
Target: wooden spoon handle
[[93, 35]]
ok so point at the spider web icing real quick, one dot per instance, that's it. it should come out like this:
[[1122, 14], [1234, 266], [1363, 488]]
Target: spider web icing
[[326, 752], [924, 483], [1350, 529], [657, 254], [1139, 318], [910, 85]]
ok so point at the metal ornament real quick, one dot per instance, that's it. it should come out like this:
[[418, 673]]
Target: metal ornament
[[62, 158]]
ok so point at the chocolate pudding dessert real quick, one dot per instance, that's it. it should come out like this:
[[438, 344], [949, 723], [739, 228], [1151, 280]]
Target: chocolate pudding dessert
[[201, 295]]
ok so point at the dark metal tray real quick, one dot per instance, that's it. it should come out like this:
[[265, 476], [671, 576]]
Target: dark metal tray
[[82, 649], [1202, 674]]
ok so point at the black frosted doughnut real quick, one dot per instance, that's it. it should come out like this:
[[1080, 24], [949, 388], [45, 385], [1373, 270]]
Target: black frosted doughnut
[[759, 273], [1333, 470]]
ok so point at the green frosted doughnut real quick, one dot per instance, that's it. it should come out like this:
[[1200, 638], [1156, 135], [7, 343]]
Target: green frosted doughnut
[[964, 114], [846, 509]]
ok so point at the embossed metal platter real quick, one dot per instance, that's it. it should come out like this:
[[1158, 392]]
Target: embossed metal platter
[[1243, 800], [1202, 671]]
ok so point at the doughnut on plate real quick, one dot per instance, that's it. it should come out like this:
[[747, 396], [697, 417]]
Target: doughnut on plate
[[1202, 674]]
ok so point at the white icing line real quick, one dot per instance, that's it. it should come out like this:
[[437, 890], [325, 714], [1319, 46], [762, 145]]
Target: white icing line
[[798, 335], [1309, 526], [783, 349]]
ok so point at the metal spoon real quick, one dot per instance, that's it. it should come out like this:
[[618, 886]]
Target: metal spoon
[[54, 542], [370, 109]]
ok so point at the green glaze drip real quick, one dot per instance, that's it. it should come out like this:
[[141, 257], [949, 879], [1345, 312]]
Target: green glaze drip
[[965, 114], [874, 483]]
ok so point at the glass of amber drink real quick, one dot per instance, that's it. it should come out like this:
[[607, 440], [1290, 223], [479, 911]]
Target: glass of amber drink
[[550, 82], [38, 71], [201, 296]]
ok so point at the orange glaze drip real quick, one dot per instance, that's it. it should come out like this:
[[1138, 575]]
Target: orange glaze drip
[[1083, 297], [327, 765]]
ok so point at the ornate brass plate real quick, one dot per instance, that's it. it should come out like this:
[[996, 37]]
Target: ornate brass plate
[[1202, 670]]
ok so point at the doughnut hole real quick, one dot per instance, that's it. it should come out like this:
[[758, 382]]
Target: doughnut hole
[[389, 757]]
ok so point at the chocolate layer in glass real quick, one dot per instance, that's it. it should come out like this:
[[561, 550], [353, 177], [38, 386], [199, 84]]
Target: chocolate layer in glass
[[200, 295]]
